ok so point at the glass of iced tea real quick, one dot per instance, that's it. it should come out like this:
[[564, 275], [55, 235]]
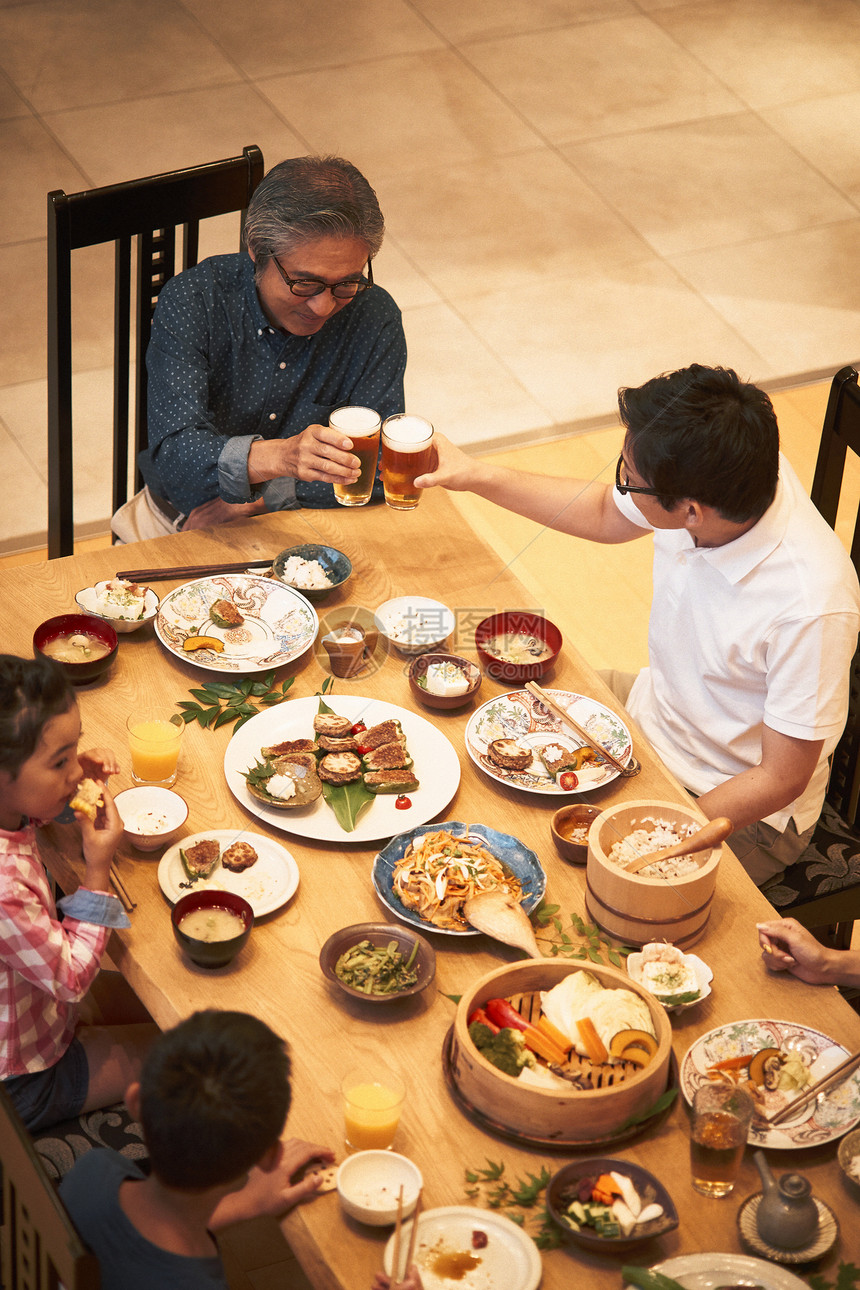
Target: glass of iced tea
[[407, 451], [362, 426], [722, 1114]]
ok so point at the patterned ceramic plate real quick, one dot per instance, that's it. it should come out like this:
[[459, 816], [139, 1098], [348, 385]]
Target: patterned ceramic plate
[[824, 1121], [515, 855], [279, 623], [520, 716]]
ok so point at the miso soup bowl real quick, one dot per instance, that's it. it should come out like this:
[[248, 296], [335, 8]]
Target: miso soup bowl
[[517, 622], [66, 625], [211, 954]]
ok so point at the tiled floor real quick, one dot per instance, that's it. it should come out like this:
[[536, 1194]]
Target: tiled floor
[[579, 193]]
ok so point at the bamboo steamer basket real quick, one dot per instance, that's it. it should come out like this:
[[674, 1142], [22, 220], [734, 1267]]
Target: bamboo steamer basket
[[581, 1116], [636, 909]]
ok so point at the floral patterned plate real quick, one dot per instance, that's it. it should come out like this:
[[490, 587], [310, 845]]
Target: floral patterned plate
[[520, 716], [823, 1121], [279, 623]]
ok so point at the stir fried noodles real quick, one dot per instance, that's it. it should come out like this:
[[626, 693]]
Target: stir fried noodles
[[438, 874]]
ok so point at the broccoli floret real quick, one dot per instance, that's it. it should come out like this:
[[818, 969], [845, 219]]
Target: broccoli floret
[[506, 1050]]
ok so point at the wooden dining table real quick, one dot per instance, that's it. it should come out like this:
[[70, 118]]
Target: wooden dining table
[[431, 552]]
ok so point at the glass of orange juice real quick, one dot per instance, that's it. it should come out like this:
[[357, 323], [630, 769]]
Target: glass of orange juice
[[372, 1102], [154, 736]]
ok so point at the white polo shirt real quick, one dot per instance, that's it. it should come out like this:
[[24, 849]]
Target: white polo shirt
[[760, 631]]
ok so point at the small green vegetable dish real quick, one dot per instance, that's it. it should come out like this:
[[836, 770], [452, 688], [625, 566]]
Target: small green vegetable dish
[[377, 962], [603, 1202]]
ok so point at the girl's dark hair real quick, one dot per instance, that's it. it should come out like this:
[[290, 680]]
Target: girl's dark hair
[[703, 434], [32, 691], [214, 1096]]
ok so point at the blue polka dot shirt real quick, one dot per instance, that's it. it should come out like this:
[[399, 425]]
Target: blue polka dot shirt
[[220, 377]]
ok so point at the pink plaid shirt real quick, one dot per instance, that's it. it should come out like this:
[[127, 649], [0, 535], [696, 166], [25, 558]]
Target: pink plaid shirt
[[46, 966]]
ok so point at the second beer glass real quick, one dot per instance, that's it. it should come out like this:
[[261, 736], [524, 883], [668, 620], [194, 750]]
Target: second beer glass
[[362, 426], [407, 451]]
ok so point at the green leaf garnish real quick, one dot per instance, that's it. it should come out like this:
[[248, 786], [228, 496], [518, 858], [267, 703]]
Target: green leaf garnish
[[220, 702]]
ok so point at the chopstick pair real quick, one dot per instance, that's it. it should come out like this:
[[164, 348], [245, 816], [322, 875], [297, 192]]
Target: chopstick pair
[[836, 1076], [398, 1230], [190, 571], [125, 899], [562, 715]]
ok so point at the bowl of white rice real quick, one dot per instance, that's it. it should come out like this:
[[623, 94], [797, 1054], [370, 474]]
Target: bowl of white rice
[[313, 570]]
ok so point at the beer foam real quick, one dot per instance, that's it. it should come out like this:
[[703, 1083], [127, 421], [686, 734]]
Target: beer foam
[[354, 418], [408, 433]]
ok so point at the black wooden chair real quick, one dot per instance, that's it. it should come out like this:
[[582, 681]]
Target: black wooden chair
[[822, 889], [150, 210], [39, 1246]]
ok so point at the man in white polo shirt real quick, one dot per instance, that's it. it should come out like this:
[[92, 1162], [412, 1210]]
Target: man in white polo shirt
[[756, 605]]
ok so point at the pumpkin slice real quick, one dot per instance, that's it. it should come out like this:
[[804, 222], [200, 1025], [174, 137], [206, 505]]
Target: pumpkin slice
[[760, 1062], [203, 642], [638, 1056], [625, 1039]]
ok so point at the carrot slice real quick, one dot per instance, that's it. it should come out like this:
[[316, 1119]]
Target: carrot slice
[[605, 1190], [732, 1063], [552, 1032], [594, 1045], [541, 1044]]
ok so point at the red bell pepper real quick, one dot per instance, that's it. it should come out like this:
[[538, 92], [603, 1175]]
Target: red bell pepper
[[480, 1016]]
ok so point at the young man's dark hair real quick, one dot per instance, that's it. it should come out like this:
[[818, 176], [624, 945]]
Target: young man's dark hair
[[701, 433], [214, 1096]]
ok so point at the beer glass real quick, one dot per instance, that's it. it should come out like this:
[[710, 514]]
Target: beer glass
[[407, 451], [722, 1114], [362, 426]]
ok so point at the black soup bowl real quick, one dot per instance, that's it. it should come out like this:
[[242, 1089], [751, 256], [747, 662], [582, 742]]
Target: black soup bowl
[[52, 629], [211, 954]]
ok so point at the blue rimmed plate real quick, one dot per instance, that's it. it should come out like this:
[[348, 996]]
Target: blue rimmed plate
[[515, 855]]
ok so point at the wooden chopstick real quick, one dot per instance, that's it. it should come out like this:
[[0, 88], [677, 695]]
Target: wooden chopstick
[[190, 571], [416, 1214], [836, 1076], [398, 1231], [568, 720], [125, 899]]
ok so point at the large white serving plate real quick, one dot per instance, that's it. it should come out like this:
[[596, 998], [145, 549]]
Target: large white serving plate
[[279, 625], [520, 716], [707, 1271], [436, 766]]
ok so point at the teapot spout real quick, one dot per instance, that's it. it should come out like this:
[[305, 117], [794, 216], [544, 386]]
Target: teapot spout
[[768, 1182]]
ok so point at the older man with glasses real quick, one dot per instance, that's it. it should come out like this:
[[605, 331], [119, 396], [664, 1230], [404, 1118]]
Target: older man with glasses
[[756, 605], [250, 353]]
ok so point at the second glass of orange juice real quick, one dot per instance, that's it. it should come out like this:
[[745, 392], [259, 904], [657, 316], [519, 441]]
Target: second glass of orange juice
[[154, 736], [372, 1102]]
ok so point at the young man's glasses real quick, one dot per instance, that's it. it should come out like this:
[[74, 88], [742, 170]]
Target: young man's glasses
[[345, 290], [625, 488]]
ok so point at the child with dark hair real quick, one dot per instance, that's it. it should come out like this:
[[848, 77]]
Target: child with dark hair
[[54, 1061], [212, 1100]]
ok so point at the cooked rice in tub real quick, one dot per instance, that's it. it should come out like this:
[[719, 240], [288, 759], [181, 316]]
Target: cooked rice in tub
[[641, 841]]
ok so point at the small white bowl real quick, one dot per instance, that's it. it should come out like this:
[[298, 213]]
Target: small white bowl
[[151, 816], [368, 1184], [704, 977], [414, 624], [88, 599]]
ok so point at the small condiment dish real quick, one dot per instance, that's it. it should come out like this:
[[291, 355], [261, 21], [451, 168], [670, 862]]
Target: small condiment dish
[[211, 954], [704, 977], [151, 816], [369, 1182], [379, 934], [568, 819], [849, 1151], [444, 702], [517, 622], [337, 566], [414, 624], [90, 601], [67, 624]]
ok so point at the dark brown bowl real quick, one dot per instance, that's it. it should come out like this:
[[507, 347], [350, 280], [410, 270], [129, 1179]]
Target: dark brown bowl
[[211, 954], [445, 702], [517, 620], [65, 625], [379, 934], [648, 1187], [565, 818]]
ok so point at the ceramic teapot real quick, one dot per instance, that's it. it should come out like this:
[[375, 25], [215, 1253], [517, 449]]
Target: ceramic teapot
[[787, 1215]]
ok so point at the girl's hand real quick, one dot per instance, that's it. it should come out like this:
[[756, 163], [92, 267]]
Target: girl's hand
[[412, 1281], [98, 763], [100, 840]]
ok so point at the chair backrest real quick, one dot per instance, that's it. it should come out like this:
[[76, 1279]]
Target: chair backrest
[[39, 1246], [840, 432], [150, 210]]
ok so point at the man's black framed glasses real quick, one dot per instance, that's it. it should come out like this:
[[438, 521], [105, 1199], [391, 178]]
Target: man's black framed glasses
[[345, 290], [624, 489]]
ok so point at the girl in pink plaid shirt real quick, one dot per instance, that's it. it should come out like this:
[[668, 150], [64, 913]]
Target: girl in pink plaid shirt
[[55, 1062]]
